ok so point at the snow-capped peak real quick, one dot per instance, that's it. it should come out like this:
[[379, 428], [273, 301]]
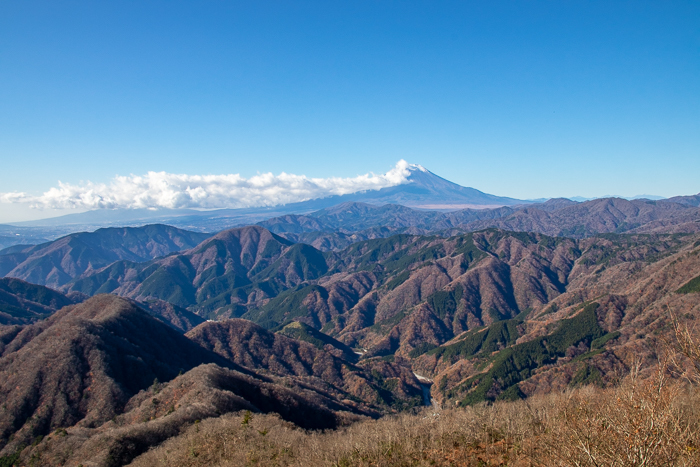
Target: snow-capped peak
[[414, 167]]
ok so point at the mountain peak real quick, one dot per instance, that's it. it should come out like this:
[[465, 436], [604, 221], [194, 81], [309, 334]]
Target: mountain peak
[[416, 167], [427, 190]]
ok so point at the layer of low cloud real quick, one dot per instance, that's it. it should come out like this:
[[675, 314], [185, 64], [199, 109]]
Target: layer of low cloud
[[165, 190]]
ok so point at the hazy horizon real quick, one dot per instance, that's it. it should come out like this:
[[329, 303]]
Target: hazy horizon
[[319, 188]]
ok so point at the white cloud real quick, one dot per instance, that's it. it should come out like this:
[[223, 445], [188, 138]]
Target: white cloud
[[165, 190]]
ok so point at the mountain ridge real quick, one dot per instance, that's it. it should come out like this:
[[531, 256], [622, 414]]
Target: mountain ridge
[[55, 263], [337, 227]]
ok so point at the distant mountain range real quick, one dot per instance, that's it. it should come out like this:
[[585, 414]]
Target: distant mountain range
[[333, 229], [423, 190], [427, 203], [339, 226], [55, 263], [581, 199]]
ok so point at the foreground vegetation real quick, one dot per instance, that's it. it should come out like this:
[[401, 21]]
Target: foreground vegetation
[[650, 419], [644, 422]]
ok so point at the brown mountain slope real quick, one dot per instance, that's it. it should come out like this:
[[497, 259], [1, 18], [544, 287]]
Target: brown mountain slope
[[93, 373], [84, 363], [235, 266], [250, 345], [459, 283], [516, 274], [172, 315], [24, 303], [165, 410], [617, 310]]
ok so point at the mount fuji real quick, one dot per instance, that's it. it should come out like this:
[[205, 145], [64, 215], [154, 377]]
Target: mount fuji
[[422, 189]]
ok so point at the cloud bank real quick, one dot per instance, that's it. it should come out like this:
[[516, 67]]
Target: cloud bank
[[165, 190]]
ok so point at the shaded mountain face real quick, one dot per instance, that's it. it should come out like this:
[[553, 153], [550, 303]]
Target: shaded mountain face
[[56, 263], [164, 410], [84, 363], [8, 241], [24, 303], [174, 316]]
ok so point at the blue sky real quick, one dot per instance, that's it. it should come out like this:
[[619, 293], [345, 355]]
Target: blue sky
[[525, 99]]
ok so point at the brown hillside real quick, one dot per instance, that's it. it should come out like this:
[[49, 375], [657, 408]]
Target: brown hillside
[[165, 410], [83, 364], [250, 345], [104, 380], [215, 275], [172, 315], [632, 281]]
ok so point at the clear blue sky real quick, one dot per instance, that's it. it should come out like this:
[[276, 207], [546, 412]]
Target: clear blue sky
[[523, 98]]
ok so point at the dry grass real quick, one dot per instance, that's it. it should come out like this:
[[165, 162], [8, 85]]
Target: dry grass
[[651, 422], [427, 438]]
